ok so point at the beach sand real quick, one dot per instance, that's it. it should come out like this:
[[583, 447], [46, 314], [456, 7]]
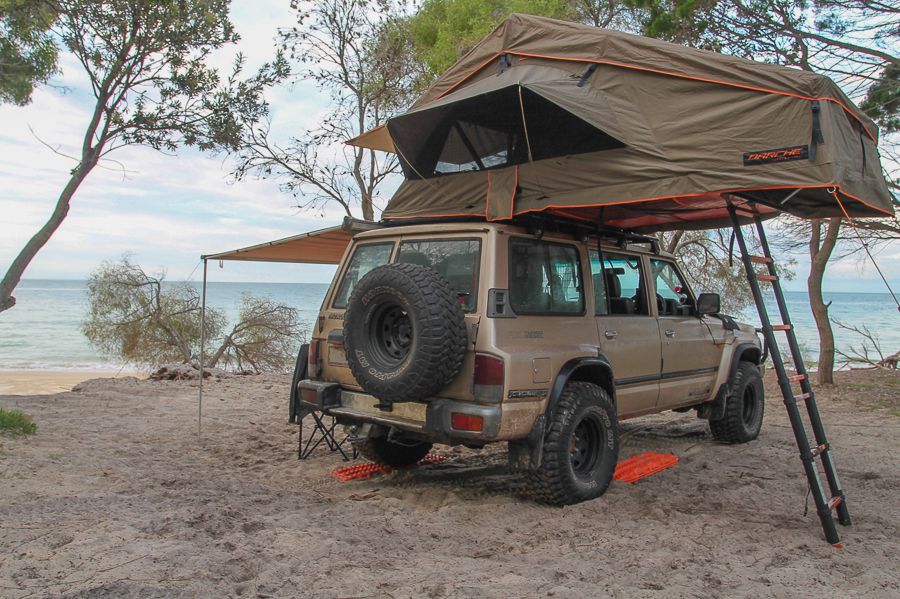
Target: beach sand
[[41, 382], [115, 496]]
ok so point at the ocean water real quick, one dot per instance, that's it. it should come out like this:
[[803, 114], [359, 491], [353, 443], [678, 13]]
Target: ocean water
[[43, 330]]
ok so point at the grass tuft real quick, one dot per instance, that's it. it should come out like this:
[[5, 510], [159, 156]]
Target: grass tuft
[[16, 423]]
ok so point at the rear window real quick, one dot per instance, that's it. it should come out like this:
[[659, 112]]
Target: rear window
[[544, 278], [456, 260], [365, 258]]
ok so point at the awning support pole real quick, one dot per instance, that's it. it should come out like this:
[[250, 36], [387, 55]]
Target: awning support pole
[[202, 347]]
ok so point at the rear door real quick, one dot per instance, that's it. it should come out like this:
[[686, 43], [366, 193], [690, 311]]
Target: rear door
[[629, 334], [690, 354]]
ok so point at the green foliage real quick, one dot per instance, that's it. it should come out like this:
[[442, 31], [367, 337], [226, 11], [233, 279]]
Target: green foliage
[[147, 62], [143, 320], [443, 30], [685, 22], [27, 51], [134, 317], [16, 423], [882, 102], [148, 67]]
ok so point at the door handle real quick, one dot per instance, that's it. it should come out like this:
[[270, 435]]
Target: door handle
[[611, 334], [670, 332]]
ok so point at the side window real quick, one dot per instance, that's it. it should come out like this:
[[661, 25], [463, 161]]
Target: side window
[[544, 277], [672, 294], [621, 276], [365, 258], [456, 260]]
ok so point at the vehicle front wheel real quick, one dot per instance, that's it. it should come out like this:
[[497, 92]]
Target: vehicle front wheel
[[744, 407], [580, 449], [394, 453]]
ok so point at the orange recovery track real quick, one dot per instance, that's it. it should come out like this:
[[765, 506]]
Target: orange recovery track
[[640, 466]]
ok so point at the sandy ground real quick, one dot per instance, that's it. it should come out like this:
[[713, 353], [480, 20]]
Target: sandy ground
[[115, 496], [41, 382]]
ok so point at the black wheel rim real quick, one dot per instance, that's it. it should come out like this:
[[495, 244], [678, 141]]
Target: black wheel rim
[[390, 333], [749, 405], [588, 440]]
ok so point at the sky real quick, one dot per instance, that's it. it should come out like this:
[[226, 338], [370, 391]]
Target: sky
[[167, 210]]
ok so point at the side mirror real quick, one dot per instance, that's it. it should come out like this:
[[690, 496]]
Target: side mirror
[[709, 303]]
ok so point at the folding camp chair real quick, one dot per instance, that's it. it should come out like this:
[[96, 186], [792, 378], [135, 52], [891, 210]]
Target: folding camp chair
[[322, 431]]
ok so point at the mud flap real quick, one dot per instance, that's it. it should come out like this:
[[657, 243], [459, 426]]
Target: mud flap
[[715, 409], [525, 454]]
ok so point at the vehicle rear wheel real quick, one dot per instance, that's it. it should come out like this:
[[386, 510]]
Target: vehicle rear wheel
[[405, 333], [744, 407], [392, 452], [580, 449]]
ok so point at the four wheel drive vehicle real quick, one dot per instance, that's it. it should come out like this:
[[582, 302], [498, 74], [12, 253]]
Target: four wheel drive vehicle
[[475, 333]]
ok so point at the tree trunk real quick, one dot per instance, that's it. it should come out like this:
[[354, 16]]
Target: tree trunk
[[39, 240], [820, 249]]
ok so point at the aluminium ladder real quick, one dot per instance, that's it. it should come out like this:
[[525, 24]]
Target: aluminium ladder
[[825, 505]]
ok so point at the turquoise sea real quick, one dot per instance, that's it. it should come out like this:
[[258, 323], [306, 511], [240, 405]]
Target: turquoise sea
[[43, 331]]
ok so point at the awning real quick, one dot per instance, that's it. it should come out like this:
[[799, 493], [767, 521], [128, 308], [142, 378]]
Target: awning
[[374, 139], [324, 246]]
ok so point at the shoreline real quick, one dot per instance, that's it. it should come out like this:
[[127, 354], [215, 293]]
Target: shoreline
[[47, 382]]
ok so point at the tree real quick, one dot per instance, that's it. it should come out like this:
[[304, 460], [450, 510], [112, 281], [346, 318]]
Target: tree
[[357, 53], [443, 30], [708, 260], [140, 319], [27, 50], [147, 65]]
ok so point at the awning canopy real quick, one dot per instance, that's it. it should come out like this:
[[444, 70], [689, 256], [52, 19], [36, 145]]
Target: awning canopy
[[324, 246]]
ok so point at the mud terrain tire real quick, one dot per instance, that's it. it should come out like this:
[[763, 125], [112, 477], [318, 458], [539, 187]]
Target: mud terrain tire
[[404, 333], [581, 447], [383, 451], [744, 407]]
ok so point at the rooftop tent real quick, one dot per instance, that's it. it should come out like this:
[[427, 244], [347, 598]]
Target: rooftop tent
[[545, 116]]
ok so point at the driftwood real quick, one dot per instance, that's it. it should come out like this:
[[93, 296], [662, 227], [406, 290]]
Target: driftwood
[[890, 361], [186, 372]]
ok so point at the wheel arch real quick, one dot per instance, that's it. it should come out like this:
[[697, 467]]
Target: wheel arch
[[591, 369]]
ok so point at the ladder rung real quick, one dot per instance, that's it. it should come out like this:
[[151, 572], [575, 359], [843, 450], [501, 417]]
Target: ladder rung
[[760, 260], [802, 396], [781, 327], [767, 277], [834, 502], [819, 449], [797, 378]]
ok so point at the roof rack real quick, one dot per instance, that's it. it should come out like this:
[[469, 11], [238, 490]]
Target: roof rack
[[540, 223]]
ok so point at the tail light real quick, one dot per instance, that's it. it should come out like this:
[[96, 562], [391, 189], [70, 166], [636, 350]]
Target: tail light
[[313, 360], [466, 422], [489, 375]]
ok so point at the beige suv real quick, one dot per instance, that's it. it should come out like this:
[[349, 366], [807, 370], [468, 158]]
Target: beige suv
[[474, 333]]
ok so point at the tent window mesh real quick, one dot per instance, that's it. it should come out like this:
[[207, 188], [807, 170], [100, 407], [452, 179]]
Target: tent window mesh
[[487, 131]]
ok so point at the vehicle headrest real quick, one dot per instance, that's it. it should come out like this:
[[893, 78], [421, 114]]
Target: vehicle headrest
[[613, 285]]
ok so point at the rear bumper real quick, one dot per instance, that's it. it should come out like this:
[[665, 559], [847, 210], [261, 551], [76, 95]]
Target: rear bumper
[[432, 419]]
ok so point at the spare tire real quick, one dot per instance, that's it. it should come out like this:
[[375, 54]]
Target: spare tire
[[404, 333]]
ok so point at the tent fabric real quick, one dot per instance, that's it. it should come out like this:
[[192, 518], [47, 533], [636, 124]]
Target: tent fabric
[[692, 130], [323, 246]]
